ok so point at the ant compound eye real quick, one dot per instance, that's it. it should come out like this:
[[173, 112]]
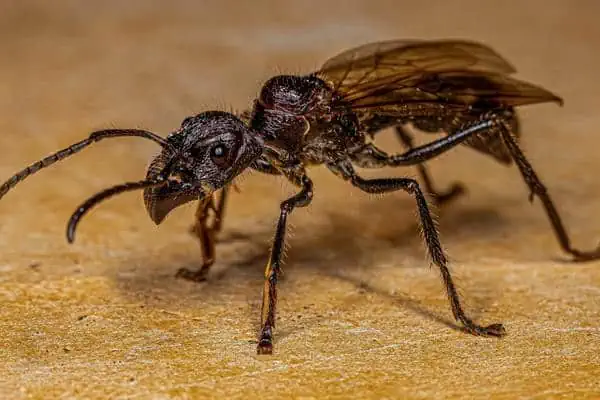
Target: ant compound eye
[[219, 154], [218, 151]]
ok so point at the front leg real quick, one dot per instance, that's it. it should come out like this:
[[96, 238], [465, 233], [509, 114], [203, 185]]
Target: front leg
[[345, 170], [206, 233], [273, 268]]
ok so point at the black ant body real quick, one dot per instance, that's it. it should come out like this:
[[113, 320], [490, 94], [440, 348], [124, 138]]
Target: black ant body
[[461, 88]]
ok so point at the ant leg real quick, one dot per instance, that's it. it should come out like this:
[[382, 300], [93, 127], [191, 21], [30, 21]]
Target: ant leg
[[369, 156], [207, 236], [442, 197], [538, 189], [273, 268], [219, 209], [345, 170]]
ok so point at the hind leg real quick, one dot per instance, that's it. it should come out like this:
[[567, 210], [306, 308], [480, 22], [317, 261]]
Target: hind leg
[[440, 197], [387, 185], [537, 189]]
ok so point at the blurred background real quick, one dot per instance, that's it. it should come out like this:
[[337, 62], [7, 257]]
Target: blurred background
[[359, 304]]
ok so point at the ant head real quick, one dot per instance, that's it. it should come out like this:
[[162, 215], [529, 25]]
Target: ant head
[[206, 153]]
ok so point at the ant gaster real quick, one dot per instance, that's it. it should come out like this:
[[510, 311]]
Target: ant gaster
[[461, 88]]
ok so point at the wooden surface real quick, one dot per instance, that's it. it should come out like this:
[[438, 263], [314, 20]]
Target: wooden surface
[[361, 314]]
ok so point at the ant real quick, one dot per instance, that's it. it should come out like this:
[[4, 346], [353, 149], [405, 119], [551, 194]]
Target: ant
[[460, 88]]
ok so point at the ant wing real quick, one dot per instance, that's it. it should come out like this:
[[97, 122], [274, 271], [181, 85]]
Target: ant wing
[[399, 76], [452, 90], [402, 58]]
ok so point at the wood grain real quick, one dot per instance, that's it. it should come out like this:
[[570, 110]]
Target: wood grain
[[361, 314]]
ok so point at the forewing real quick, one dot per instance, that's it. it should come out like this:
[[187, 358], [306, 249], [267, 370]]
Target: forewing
[[453, 89], [402, 58], [395, 74]]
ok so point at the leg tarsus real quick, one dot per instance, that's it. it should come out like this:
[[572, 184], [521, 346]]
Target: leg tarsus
[[265, 343], [493, 330], [198, 275]]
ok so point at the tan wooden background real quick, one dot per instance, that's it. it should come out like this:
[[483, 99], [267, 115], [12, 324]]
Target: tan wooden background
[[361, 314]]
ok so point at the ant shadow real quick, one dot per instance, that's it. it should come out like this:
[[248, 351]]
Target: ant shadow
[[338, 238]]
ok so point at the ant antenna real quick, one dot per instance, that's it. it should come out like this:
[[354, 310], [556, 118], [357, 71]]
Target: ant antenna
[[77, 147], [105, 194]]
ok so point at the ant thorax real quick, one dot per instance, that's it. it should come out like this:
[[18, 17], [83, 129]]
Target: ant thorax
[[284, 111], [293, 95]]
